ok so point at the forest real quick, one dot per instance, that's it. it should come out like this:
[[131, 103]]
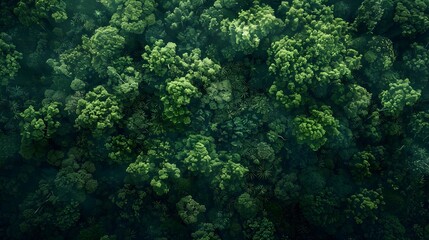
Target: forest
[[214, 119]]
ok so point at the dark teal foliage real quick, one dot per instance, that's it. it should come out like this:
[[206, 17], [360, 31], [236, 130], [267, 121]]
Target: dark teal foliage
[[214, 119]]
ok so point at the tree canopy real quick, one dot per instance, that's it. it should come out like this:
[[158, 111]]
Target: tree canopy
[[214, 119]]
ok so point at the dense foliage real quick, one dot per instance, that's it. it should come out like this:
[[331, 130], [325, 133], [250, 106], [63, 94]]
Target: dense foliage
[[214, 119]]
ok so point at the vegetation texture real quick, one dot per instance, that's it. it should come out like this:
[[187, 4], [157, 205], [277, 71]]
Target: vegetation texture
[[214, 119]]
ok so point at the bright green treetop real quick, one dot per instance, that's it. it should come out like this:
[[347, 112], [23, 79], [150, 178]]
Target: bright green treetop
[[399, 95], [315, 130], [312, 55], [180, 92], [98, 111], [40, 124], [246, 32], [134, 16]]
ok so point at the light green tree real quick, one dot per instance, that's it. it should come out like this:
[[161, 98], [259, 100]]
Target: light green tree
[[98, 111], [399, 95], [315, 130]]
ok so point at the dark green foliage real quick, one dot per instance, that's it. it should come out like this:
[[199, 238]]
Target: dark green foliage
[[378, 59], [412, 16], [120, 149], [33, 11], [362, 165], [419, 126], [323, 209], [189, 209], [9, 146], [131, 201], [416, 62], [214, 119], [199, 154], [205, 232], [104, 46], [75, 62], [364, 205], [246, 206], [154, 168], [287, 188], [260, 229], [9, 59], [369, 14]]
